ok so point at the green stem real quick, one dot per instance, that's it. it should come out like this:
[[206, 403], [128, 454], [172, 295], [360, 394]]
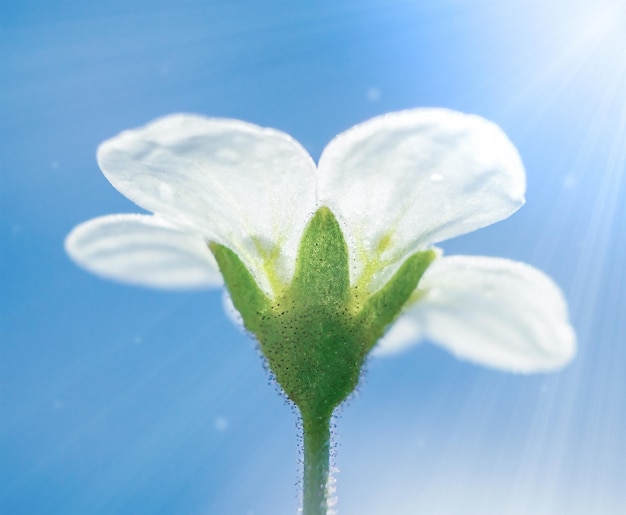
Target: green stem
[[316, 464]]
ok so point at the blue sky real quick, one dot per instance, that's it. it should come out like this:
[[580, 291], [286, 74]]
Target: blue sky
[[121, 400]]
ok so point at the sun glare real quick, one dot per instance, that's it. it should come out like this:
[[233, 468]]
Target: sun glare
[[604, 23]]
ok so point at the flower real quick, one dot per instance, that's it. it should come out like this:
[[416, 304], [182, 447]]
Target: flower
[[397, 184]]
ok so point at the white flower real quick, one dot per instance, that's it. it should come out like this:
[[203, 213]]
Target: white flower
[[397, 184]]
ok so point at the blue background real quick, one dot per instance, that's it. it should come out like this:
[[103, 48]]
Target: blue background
[[119, 400]]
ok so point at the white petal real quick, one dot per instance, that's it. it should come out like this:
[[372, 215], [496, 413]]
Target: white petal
[[247, 187], [495, 312], [231, 311], [405, 332], [402, 181], [144, 250]]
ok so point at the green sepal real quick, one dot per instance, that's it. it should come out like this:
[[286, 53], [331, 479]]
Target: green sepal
[[383, 307], [316, 333], [322, 274], [252, 304], [313, 348]]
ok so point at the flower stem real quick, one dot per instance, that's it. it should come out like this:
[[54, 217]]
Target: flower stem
[[316, 464]]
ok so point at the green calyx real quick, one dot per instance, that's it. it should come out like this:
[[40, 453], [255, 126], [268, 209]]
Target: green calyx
[[316, 333]]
